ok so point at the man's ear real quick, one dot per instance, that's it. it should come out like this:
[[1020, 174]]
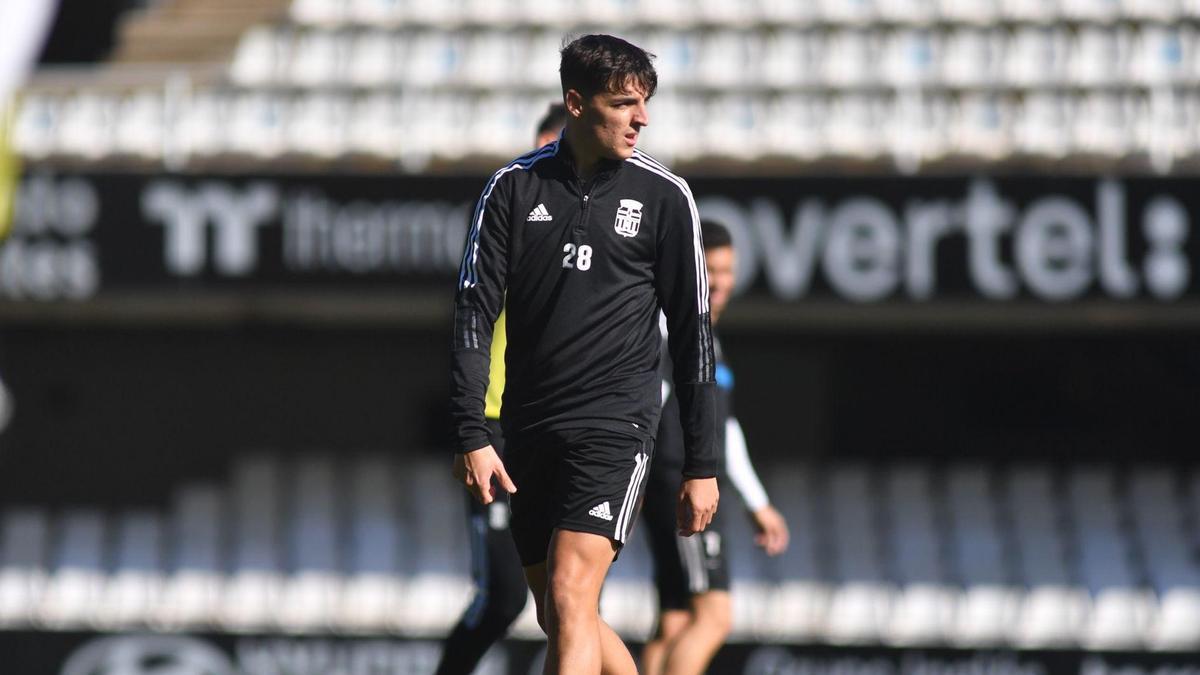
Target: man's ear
[[574, 103]]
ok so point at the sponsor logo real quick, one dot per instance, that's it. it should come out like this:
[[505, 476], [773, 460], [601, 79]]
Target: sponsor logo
[[601, 511], [629, 218], [539, 214], [50, 252]]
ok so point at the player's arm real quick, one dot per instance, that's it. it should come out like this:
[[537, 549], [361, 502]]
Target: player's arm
[[477, 302], [682, 287], [772, 531]]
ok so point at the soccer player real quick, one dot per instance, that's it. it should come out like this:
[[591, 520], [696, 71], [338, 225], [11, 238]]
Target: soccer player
[[589, 238], [692, 574], [500, 592]]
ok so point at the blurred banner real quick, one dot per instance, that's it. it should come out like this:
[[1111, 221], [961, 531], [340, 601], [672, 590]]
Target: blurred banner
[[23, 27], [859, 240], [181, 654]]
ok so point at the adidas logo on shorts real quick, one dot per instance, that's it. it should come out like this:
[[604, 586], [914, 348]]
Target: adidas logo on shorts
[[539, 214], [601, 511]]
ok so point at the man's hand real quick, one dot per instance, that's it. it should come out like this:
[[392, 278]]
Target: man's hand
[[476, 469], [772, 530], [697, 505]]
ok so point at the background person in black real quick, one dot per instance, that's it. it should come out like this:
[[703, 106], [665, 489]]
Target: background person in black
[[692, 574], [584, 242], [500, 590]]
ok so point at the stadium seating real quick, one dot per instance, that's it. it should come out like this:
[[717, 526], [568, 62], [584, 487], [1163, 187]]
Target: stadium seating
[[911, 554], [980, 80]]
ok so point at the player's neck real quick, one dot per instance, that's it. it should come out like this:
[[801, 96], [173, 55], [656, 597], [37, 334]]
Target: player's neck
[[587, 160]]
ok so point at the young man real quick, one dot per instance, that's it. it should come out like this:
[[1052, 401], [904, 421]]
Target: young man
[[692, 575], [589, 239], [500, 592]]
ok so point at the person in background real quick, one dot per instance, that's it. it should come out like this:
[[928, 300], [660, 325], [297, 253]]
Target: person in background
[[500, 591], [692, 574]]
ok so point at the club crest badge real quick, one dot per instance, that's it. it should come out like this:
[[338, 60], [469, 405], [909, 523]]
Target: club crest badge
[[629, 218]]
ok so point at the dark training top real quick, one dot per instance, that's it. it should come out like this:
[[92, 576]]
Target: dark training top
[[668, 447], [586, 269]]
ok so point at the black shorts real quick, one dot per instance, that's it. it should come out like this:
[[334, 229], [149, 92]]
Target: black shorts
[[683, 566], [583, 480]]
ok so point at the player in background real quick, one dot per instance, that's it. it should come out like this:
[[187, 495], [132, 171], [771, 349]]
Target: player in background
[[584, 242], [692, 574], [500, 590]]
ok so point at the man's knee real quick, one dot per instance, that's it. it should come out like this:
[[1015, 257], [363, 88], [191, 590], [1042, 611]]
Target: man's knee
[[569, 596], [714, 612], [672, 622]]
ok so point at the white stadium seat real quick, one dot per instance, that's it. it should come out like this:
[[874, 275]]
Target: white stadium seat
[[136, 584], [1051, 616], [24, 564], [195, 562], [851, 58], [491, 60], [373, 551], [75, 588], [981, 126], [851, 12], [725, 56], [1099, 56], [1037, 11], [790, 58], [254, 590], [973, 57], [1036, 56], [312, 592], [141, 125], [1163, 54], [919, 12], [319, 58], [986, 615], [859, 612], [1042, 125], [1099, 11], [853, 125], [258, 125], [1153, 10], [320, 12], [974, 12], [786, 12], [36, 128], [433, 57], [912, 57], [201, 128], [317, 125], [916, 129], [923, 614], [261, 56], [87, 124], [375, 59], [382, 13]]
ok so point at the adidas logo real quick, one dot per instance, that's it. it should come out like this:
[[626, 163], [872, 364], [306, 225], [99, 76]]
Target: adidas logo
[[601, 511], [539, 214]]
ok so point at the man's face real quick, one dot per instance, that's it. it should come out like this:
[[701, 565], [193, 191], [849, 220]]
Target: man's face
[[720, 262], [613, 120]]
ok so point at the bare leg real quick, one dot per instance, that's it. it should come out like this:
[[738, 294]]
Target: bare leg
[[567, 590], [695, 647], [671, 623]]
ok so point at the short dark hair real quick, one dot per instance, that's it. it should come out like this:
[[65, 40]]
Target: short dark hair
[[553, 120], [592, 64], [715, 234]]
